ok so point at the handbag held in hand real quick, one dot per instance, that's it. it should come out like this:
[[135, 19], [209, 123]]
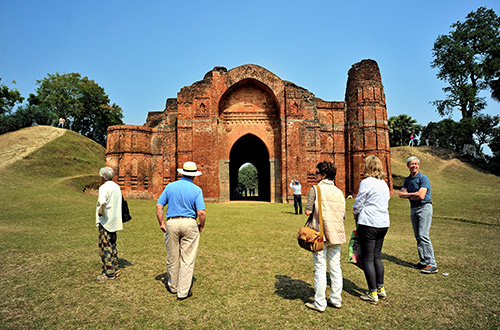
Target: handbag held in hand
[[308, 238]]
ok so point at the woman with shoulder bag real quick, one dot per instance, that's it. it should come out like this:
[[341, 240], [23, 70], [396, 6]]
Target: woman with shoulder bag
[[333, 212], [371, 212]]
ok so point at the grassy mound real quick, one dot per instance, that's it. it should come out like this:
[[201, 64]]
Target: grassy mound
[[68, 155]]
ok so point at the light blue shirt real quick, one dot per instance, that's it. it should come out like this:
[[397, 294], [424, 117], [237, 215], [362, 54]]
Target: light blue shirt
[[183, 197], [297, 188], [372, 203]]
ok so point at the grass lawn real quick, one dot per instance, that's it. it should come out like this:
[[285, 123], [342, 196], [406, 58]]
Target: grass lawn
[[250, 273]]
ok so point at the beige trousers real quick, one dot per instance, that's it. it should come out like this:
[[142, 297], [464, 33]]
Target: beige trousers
[[181, 239]]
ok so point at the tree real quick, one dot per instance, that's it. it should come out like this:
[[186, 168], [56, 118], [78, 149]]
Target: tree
[[484, 128], [447, 133], [401, 127], [8, 98], [467, 60], [248, 177], [81, 100], [25, 116]]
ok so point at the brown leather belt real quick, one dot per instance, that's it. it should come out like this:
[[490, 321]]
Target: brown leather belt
[[175, 218]]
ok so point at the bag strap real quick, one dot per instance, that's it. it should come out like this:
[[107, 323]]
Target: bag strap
[[320, 213]]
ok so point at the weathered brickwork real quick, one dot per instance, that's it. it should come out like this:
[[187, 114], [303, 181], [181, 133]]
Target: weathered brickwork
[[248, 114]]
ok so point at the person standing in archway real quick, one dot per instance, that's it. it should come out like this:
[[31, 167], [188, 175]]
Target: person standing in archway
[[181, 231], [297, 195], [333, 211]]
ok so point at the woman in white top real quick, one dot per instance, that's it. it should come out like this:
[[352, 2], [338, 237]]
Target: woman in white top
[[371, 212]]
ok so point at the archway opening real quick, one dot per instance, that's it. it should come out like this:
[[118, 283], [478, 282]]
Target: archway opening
[[250, 149]]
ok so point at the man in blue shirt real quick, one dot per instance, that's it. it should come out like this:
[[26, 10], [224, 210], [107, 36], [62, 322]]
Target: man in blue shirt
[[417, 188], [181, 231]]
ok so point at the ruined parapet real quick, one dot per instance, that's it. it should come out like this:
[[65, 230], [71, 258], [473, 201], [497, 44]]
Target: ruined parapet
[[367, 126]]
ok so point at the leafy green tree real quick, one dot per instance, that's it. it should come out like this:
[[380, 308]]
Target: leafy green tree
[[484, 128], [467, 60], [25, 116], [453, 135], [248, 177], [446, 133], [8, 98], [81, 100], [401, 127]]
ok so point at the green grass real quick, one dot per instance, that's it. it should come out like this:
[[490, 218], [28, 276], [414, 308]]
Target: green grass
[[250, 272]]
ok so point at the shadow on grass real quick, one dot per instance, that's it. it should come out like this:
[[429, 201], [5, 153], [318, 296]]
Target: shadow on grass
[[397, 261], [292, 289], [351, 288], [292, 211], [122, 263], [164, 279]]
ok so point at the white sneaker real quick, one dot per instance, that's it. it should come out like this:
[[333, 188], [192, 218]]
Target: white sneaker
[[313, 307], [382, 295], [369, 298]]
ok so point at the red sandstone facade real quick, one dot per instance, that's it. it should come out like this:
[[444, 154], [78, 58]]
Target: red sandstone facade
[[248, 114]]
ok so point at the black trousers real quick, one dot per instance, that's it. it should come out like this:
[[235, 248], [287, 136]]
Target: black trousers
[[371, 240], [297, 203]]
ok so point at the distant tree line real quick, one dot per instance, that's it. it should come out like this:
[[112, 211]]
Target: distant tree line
[[80, 101]]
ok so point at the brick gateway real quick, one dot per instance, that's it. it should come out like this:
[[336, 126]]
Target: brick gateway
[[248, 114]]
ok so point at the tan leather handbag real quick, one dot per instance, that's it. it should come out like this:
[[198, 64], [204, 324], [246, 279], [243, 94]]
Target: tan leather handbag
[[308, 238]]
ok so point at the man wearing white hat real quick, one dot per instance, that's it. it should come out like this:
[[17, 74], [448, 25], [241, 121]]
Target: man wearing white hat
[[181, 231]]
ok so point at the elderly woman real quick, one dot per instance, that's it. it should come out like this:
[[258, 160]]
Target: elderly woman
[[333, 211], [109, 220], [371, 212]]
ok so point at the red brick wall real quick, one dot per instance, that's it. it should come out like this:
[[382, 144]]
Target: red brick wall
[[297, 129]]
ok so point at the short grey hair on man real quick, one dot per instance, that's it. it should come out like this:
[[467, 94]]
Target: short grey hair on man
[[412, 158], [107, 173]]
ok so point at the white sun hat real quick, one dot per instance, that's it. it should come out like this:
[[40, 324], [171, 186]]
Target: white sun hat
[[189, 169]]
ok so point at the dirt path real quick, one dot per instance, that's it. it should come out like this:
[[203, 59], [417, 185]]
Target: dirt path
[[17, 145]]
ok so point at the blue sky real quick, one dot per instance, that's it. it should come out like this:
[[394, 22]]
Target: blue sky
[[143, 52]]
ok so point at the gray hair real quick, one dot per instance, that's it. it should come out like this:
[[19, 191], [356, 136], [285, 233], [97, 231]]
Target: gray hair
[[107, 173], [412, 158]]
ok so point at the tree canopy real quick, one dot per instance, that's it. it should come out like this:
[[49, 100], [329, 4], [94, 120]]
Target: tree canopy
[[467, 59], [80, 100], [8, 98], [248, 177]]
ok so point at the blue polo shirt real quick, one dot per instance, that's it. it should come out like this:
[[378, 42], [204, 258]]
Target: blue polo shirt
[[183, 197], [414, 184]]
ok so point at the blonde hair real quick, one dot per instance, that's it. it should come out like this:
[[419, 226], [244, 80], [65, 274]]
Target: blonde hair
[[374, 168]]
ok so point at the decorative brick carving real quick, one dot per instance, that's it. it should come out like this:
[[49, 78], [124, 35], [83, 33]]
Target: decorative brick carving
[[248, 114]]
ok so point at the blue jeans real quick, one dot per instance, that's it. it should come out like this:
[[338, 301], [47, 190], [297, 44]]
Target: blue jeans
[[421, 220]]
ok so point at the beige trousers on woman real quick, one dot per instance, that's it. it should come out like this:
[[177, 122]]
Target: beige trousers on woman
[[181, 239]]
